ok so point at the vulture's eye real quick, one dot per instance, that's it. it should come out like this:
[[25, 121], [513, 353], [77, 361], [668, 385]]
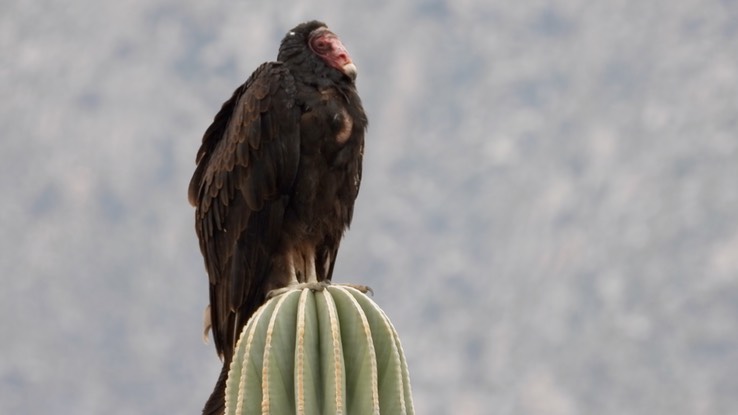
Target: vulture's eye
[[321, 45]]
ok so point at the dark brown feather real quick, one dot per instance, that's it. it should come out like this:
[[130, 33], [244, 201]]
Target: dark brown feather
[[226, 189]]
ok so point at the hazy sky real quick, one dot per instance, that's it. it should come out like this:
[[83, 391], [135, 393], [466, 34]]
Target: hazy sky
[[548, 213]]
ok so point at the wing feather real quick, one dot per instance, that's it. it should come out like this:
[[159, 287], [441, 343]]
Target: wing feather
[[246, 167]]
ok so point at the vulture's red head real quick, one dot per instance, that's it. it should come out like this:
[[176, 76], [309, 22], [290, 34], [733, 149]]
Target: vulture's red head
[[313, 47]]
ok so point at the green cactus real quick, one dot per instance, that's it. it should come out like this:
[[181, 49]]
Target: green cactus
[[315, 352]]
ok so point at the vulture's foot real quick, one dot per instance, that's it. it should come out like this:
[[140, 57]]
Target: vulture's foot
[[317, 286], [365, 289]]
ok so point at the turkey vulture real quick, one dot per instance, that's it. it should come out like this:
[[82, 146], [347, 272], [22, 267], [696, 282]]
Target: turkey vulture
[[277, 175]]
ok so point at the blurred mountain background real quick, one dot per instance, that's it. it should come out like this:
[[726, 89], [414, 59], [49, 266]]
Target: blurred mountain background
[[549, 209]]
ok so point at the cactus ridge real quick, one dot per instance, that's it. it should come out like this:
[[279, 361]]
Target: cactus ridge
[[315, 352]]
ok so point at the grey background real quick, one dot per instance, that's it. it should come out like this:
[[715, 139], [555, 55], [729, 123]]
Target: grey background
[[549, 211]]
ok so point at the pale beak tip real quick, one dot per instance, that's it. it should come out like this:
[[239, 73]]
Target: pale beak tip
[[350, 70]]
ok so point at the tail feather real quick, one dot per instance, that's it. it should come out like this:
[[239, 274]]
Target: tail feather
[[216, 403]]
